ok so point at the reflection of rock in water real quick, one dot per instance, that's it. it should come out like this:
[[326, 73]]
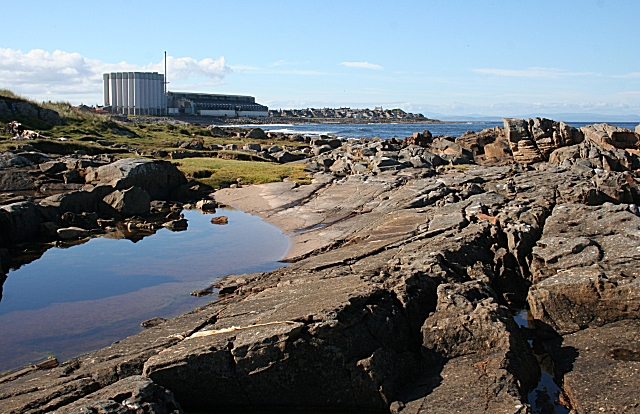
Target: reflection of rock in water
[[2, 279], [135, 236]]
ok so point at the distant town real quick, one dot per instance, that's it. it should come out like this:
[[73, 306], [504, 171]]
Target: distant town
[[376, 113]]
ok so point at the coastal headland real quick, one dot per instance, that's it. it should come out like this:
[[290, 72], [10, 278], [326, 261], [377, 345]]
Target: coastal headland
[[409, 259]]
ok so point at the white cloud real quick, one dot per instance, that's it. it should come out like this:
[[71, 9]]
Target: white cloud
[[362, 65], [42, 75], [535, 72]]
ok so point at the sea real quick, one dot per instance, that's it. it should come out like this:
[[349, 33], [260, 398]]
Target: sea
[[387, 131]]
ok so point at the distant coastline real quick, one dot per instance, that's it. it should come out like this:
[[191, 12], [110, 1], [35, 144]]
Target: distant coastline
[[297, 120]]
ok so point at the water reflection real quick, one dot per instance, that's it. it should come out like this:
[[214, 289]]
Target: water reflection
[[86, 296]]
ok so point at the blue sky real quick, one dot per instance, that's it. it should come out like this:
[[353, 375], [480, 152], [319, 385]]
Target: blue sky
[[500, 58]]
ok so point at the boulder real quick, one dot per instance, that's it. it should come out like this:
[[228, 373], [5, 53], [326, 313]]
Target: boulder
[[534, 140], [5, 112], [216, 131], [25, 109], [256, 133], [252, 147], [16, 180], [177, 225], [207, 205], [52, 167], [221, 220], [638, 129], [286, 156], [50, 116], [19, 222], [157, 178], [10, 159], [78, 201], [133, 201]]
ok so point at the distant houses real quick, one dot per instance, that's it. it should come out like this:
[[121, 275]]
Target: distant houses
[[376, 113]]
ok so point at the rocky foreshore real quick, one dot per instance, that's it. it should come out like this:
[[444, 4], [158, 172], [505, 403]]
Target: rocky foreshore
[[409, 260]]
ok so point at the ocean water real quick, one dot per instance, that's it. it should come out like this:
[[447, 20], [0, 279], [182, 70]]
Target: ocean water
[[387, 131], [77, 299]]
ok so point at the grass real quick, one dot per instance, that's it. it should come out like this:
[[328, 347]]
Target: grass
[[220, 173], [83, 129]]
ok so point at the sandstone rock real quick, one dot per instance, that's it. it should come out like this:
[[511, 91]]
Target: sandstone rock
[[132, 395], [256, 133], [50, 116], [72, 233], [157, 178], [607, 136], [585, 272], [133, 201], [598, 367], [220, 220]]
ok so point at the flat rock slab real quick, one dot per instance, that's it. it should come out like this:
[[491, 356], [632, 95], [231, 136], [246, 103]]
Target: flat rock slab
[[464, 385], [601, 368]]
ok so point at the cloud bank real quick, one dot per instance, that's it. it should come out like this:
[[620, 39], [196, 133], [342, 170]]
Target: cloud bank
[[362, 65], [41, 74]]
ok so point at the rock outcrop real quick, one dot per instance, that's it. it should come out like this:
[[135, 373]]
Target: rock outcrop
[[404, 277], [158, 178]]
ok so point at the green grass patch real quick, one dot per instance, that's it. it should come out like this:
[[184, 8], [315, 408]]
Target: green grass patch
[[226, 172]]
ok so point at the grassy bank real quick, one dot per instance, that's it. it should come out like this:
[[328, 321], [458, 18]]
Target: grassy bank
[[222, 173]]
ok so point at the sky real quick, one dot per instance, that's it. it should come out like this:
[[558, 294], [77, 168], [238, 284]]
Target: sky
[[439, 58]]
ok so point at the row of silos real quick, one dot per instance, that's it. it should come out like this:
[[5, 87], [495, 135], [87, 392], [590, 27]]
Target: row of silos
[[135, 93]]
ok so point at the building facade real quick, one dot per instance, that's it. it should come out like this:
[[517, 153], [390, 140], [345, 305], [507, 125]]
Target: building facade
[[135, 93], [205, 104]]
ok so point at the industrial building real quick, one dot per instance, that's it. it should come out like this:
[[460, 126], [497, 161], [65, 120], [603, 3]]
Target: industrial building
[[143, 93], [214, 105], [135, 93]]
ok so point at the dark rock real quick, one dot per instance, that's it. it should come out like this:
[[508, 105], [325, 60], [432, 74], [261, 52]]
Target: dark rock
[[10, 159], [158, 178], [25, 109], [52, 167], [150, 323], [132, 395], [176, 225], [256, 133], [16, 180], [216, 131], [133, 201], [19, 222], [595, 370], [50, 116], [286, 156]]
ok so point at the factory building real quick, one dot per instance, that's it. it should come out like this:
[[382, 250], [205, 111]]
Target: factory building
[[143, 93], [214, 105], [135, 93]]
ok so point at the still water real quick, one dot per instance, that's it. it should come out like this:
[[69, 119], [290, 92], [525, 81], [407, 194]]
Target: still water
[[85, 297]]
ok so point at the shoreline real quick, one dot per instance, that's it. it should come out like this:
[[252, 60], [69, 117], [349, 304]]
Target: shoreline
[[408, 262]]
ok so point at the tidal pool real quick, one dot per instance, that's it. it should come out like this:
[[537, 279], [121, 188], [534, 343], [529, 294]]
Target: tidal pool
[[77, 299]]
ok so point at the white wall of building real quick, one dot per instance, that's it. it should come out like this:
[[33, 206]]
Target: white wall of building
[[218, 112], [139, 93], [253, 114]]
